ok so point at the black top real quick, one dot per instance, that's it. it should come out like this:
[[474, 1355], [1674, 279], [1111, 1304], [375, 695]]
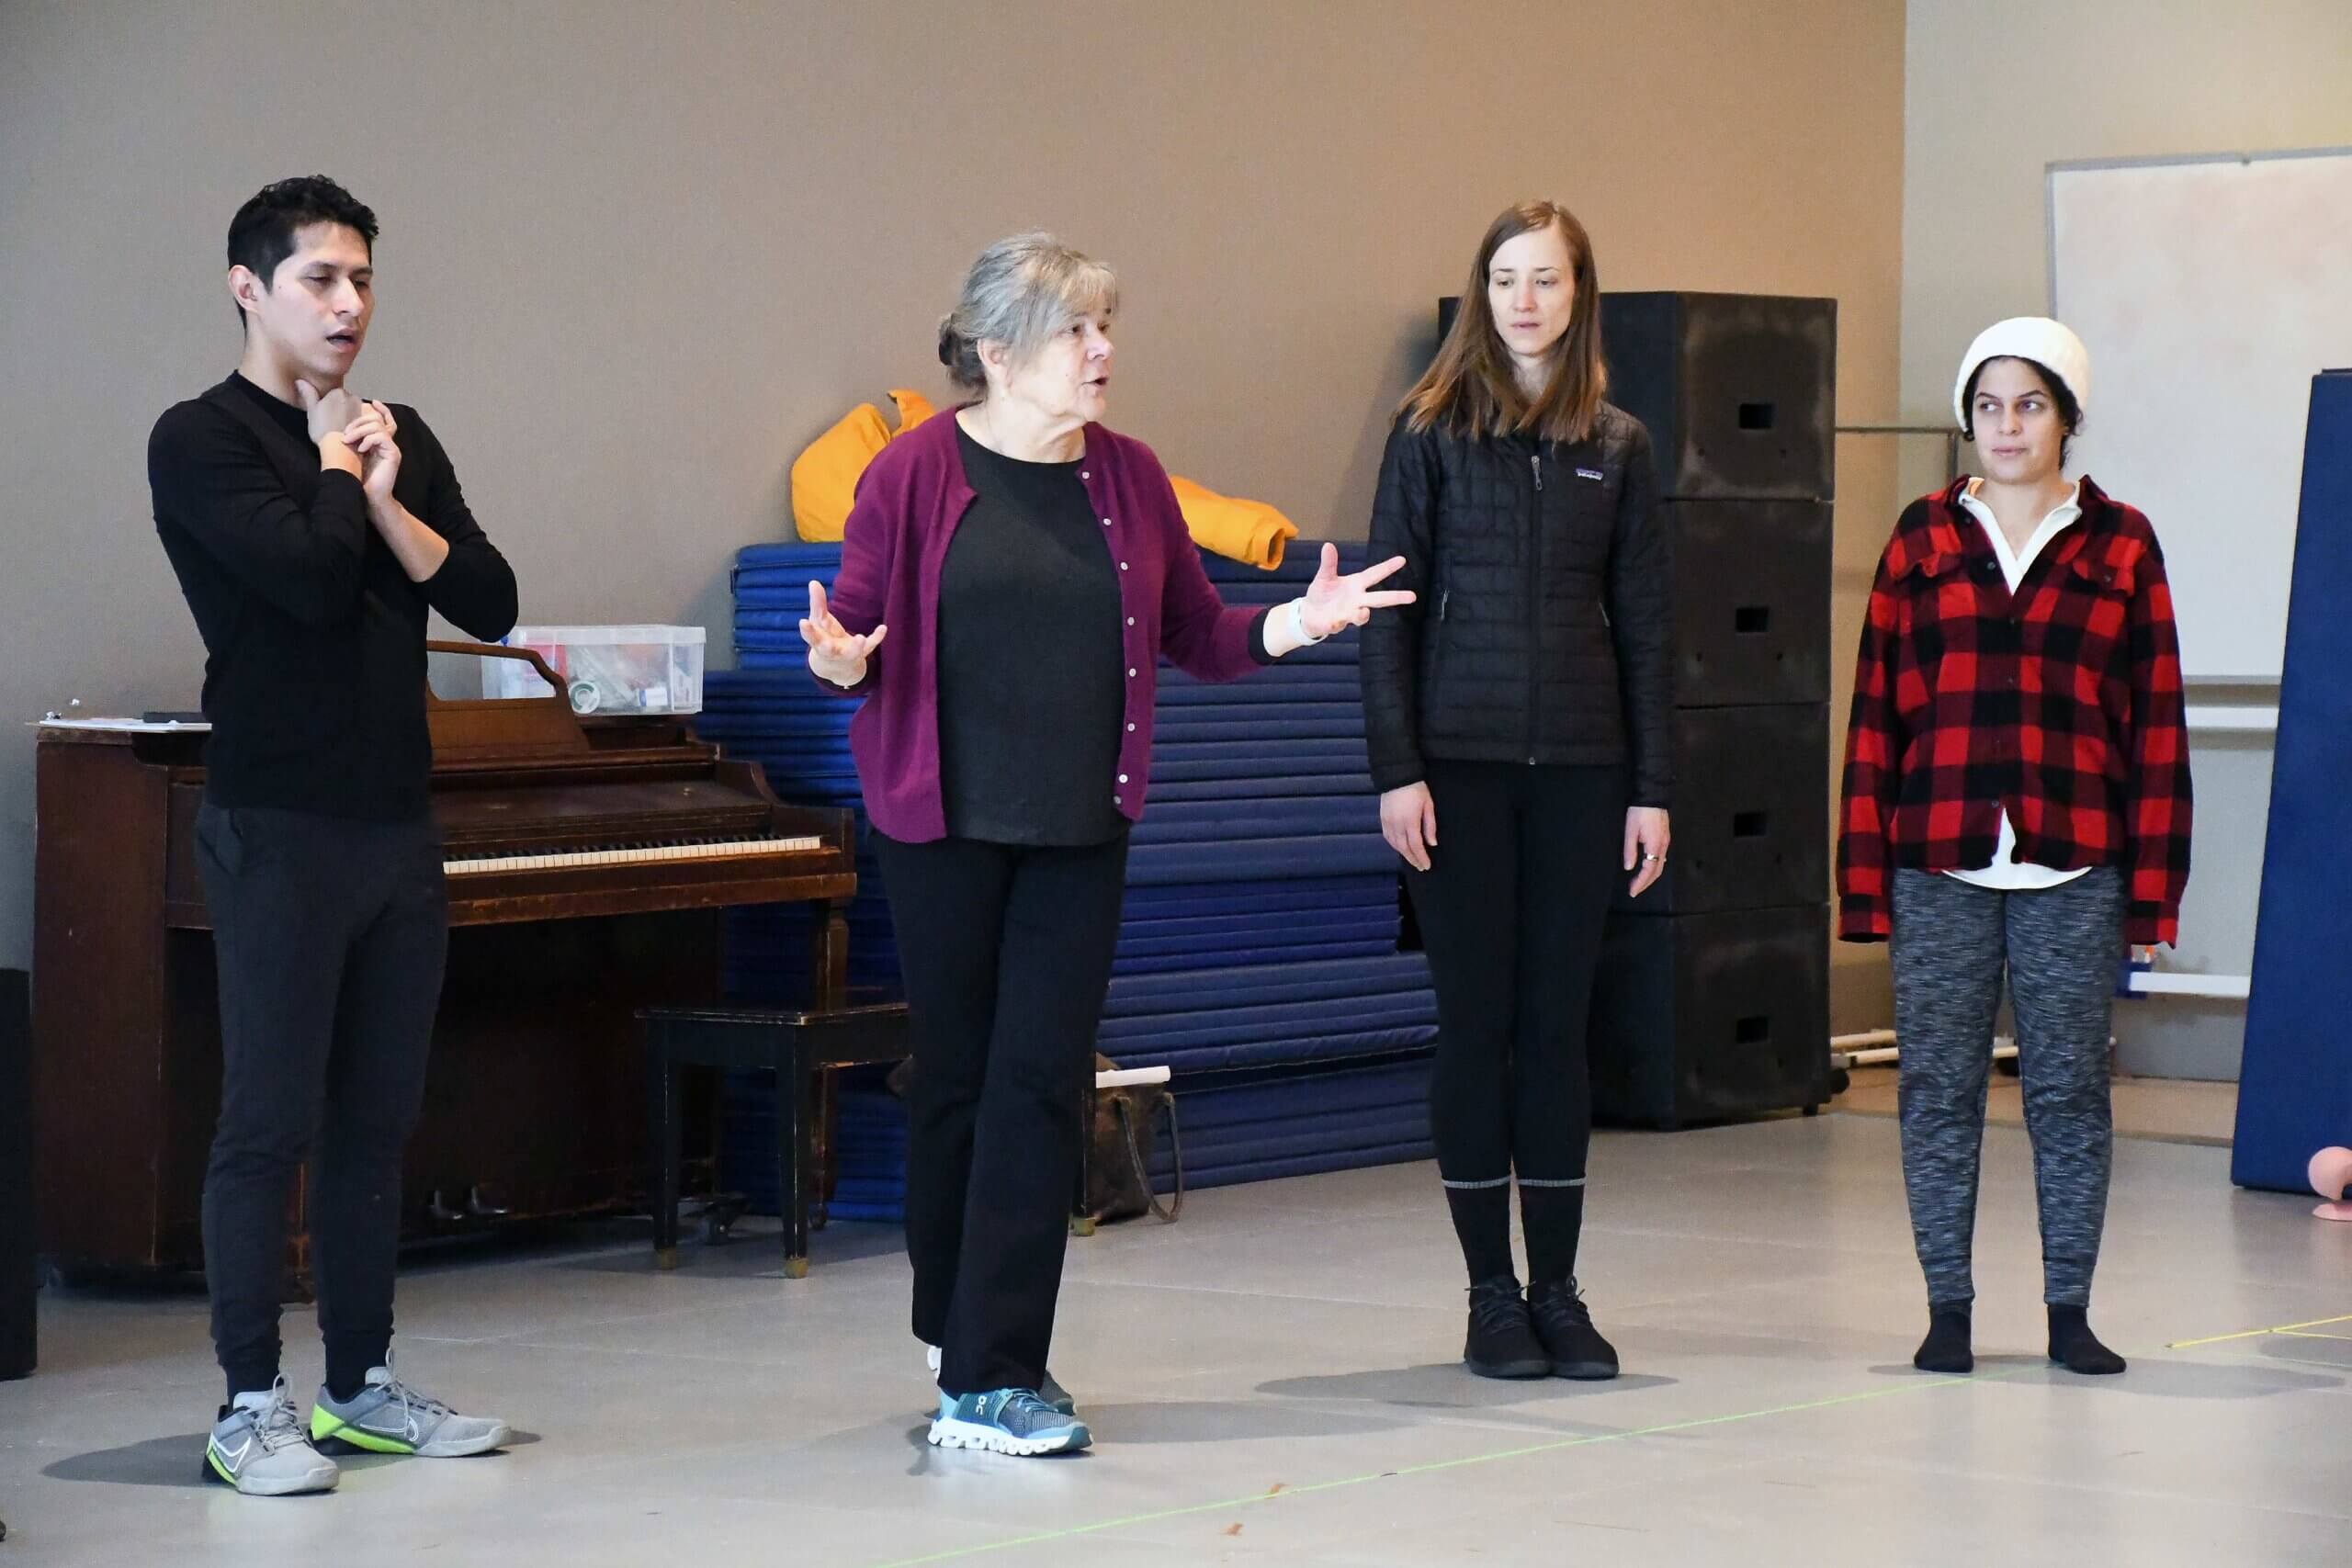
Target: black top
[[1031, 682], [1540, 632], [314, 636]]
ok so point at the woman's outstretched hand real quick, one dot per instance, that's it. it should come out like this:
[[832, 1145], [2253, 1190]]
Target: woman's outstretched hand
[[835, 654], [1334, 602]]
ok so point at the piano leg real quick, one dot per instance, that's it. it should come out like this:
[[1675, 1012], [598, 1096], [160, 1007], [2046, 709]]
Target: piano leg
[[830, 969], [831, 960], [797, 1108], [826, 1085], [667, 1152]]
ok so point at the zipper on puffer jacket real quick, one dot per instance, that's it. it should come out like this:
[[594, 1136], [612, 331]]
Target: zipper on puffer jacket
[[1535, 602]]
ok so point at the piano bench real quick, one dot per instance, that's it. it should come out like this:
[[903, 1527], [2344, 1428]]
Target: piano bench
[[793, 1045]]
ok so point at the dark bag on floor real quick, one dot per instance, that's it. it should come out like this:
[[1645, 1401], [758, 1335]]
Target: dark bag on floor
[[1118, 1170], [1118, 1160]]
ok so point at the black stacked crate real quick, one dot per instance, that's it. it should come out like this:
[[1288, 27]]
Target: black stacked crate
[[1712, 1000]]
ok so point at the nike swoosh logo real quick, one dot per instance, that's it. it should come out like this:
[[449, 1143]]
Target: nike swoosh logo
[[238, 1457]]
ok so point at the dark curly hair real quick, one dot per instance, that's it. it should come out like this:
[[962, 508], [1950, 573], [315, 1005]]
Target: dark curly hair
[[2070, 408]]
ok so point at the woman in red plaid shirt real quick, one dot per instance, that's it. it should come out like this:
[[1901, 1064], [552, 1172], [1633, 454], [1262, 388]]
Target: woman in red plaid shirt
[[2017, 800]]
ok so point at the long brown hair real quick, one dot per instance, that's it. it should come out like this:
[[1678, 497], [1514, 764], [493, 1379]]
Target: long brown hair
[[1470, 388]]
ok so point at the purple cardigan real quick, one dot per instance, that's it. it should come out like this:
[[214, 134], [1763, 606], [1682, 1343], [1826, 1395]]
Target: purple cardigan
[[910, 500]]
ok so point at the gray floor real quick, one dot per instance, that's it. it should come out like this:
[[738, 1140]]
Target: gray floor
[[1272, 1379]]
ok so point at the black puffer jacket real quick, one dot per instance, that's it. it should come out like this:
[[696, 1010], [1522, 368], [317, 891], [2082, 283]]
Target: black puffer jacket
[[1540, 632]]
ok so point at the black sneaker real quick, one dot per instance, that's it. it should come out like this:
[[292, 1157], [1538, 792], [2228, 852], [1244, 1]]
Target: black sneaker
[[1502, 1343], [1564, 1324]]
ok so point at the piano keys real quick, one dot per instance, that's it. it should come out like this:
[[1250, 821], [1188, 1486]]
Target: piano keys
[[588, 863], [628, 855]]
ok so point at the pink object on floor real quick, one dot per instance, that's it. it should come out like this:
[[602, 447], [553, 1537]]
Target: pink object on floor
[[2331, 1172], [2340, 1212]]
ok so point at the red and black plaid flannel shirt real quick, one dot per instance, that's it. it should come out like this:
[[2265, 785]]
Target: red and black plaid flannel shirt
[[2060, 704]]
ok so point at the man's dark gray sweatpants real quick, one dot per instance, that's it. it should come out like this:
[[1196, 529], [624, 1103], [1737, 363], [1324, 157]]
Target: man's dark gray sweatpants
[[332, 936]]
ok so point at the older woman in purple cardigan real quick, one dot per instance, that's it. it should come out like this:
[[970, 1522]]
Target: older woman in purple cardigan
[[1011, 575]]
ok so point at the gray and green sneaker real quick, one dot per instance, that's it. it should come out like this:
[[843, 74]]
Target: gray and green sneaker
[[387, 1417], [1006, 1421], [259, 1447], [1050, 1392]]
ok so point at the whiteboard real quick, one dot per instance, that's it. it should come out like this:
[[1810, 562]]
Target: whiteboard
[[2209, 291]]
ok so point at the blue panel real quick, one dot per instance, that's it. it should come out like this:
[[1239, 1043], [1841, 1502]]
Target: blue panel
[[2295, 1085], [1208, 964], [1334, 856], [1399, 973]]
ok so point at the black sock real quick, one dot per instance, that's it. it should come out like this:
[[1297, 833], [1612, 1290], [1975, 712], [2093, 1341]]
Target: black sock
[[2074, 1347], [1945, 1348], [249, 1379], [1482, 1223], [1554, 1220], [348, 1364]]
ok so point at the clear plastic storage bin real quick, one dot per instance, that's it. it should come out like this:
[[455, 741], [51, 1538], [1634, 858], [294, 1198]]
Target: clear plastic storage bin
[[606, 669]]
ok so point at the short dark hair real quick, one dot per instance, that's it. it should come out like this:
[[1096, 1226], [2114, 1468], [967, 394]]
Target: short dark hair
[[2070, 409], [262, 233]]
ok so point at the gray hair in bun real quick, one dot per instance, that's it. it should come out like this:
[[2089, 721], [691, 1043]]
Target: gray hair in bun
[[1021, 292]]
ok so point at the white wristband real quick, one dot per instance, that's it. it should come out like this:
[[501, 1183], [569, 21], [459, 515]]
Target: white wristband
[[1298, 624]]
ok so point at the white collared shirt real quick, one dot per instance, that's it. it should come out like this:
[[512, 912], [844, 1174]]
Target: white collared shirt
[[2006, 873]]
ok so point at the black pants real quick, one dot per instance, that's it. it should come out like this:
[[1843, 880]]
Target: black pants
[[331, 937], [1511, 910], [1007, 953]]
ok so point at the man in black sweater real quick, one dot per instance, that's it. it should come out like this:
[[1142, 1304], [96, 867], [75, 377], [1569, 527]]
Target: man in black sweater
[[312, 533]]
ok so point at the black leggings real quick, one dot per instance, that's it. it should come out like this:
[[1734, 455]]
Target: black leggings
[[1511, 912], [1006, 952]]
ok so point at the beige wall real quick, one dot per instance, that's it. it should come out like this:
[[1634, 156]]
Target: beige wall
[[634, 256], [1996, 91]]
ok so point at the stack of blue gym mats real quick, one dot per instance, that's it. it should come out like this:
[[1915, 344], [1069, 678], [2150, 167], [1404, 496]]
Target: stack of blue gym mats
[[1258, 952]]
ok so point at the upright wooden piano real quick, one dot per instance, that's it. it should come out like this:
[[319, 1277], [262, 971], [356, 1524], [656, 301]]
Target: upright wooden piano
[[588, 863]]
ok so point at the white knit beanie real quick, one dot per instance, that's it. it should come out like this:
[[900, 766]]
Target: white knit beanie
[[2047, 342]]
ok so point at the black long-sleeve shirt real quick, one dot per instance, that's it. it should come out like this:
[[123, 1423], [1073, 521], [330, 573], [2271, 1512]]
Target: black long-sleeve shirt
[[313, 634], [1030, 659]]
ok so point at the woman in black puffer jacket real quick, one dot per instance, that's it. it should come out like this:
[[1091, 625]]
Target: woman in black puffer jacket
[[1522, 703]]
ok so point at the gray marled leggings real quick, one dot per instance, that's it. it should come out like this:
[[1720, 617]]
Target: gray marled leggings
[[2061, 947]]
